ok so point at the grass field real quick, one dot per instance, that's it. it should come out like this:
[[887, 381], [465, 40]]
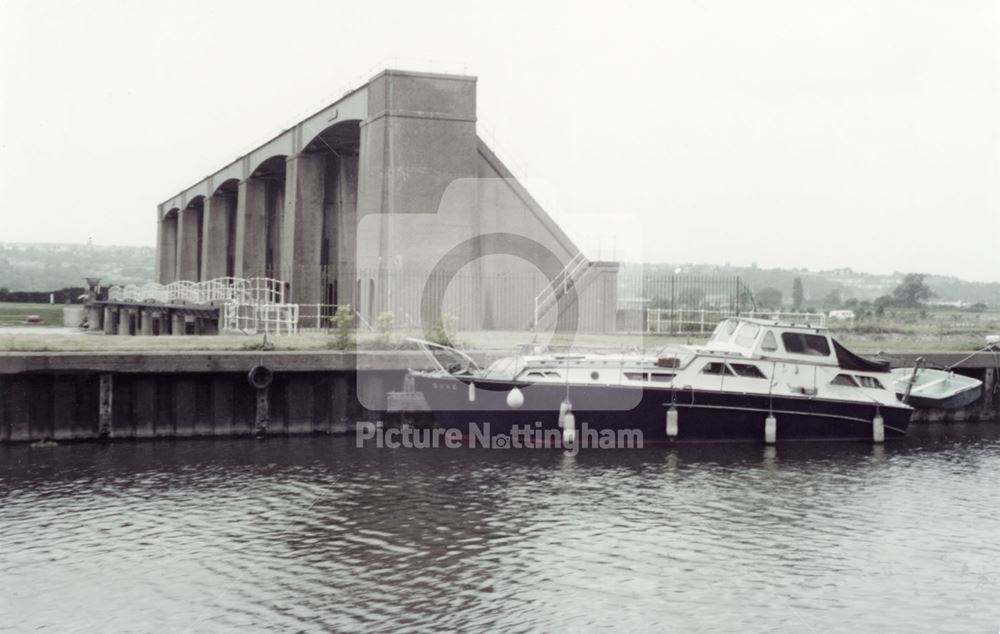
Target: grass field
[[11, 314]]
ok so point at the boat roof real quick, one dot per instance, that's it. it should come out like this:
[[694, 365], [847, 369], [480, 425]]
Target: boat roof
[[787, 325]]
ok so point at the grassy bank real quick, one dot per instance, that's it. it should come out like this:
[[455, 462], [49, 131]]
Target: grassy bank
[[11, 313]]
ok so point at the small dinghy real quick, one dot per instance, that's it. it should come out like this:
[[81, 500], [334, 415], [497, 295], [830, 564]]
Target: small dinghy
[[935, 389]]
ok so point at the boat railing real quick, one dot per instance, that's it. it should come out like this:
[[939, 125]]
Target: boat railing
[[428, 348]]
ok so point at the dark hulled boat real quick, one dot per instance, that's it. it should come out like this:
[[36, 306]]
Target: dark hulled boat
[[754, 380]]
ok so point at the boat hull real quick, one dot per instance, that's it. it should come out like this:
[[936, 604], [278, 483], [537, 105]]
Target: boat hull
[[701, 415]]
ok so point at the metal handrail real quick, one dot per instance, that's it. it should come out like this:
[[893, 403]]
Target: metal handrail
[[552, 290]]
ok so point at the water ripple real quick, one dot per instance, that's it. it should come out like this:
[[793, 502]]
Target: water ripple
[[315, 535]]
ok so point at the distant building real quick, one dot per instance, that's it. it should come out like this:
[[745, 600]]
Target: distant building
[[841, 315]]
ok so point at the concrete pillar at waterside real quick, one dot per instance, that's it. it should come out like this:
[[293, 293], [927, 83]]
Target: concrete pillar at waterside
[[177, 324], [187, 244], [109, 320], [251, 228], [126, 317], [95, 318], [146, 325], [215, 232], [302, 229]]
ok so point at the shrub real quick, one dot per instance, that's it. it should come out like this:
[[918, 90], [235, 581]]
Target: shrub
[[383, 328], [439, 333], [343, 324]]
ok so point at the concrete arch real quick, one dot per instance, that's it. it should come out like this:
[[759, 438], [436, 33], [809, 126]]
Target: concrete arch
[[323, 186], [259, 219], [268, 167], [228, 186], [218, 250], [340, 137]]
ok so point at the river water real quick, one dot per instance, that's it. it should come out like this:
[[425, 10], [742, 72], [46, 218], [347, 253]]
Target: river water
[[312, 534]]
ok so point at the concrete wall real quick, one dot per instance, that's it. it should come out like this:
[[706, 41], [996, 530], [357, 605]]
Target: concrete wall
[[89, 396]]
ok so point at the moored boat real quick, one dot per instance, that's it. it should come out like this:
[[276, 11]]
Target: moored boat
[[754, 380], [929, 388]]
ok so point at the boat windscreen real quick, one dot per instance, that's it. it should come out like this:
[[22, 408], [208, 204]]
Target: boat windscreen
[[850, 361]]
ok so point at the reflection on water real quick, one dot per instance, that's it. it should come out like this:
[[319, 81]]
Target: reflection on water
[[311, 533]]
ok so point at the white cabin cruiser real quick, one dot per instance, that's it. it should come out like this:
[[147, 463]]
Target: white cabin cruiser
[[754, 380]]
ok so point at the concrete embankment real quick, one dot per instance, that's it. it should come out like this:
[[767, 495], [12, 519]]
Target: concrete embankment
[[90, 396]]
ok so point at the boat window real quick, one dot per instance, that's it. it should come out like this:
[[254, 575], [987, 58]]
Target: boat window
[[747, 370], [543, 373], [869, 381], [724, 331], [661, 377], [595, 375], [717, 368], [803, 343], [844, 379], [769, 344], [747, 334]]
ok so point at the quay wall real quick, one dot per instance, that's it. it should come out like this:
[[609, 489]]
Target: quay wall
[[92, 396]]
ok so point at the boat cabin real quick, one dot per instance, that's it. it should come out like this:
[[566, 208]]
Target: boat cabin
[[773, 340]]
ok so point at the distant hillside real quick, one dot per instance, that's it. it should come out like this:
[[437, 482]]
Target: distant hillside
[[46, 267], [818, 286]]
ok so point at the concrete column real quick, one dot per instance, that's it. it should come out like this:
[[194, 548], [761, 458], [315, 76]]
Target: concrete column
[[302, 229], [109, 320], [275, 213], [177, 327], [251, 226], [215, 236], [146, 328], [124, 315], [341, 226], [95, 318], [167, 250], [419, 139], [187, 244]]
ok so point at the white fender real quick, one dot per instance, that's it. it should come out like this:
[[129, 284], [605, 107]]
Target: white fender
[[770, 429], [515, 399], [569, 428], [878, 428], [672, 422]]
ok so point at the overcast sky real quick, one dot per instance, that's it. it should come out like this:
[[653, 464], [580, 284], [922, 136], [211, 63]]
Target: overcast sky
[[794, 134]]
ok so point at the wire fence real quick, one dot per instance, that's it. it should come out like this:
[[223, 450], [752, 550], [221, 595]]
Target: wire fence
[[641, 301]]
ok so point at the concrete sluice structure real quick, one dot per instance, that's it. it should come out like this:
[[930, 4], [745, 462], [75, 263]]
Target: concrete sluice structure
[[376, 201]]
